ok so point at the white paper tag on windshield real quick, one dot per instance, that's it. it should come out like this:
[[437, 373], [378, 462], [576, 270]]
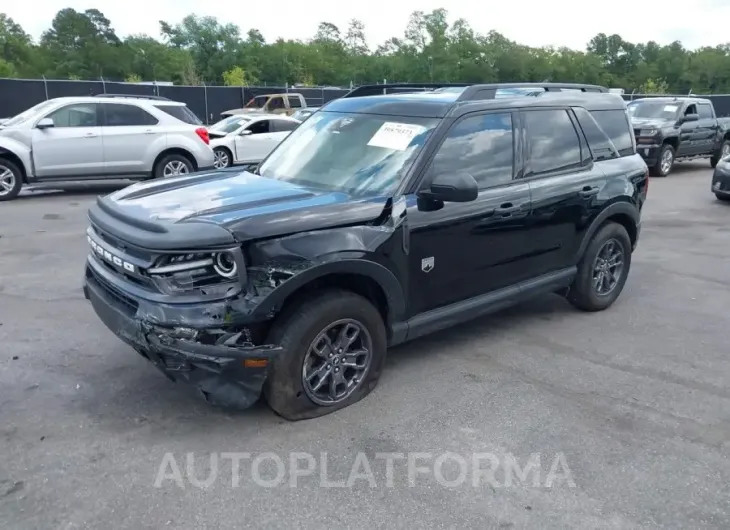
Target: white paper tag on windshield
[[670, 108], [395, 136]]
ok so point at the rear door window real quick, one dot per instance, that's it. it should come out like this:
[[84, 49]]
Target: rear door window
[[616, 126], [118, 115], [283, 125], [705, 111], [554, 142]]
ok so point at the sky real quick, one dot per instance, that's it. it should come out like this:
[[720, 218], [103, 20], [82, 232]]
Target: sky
[[569, 23]]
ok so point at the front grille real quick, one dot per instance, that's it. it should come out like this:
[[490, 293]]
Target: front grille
[[117, 297]]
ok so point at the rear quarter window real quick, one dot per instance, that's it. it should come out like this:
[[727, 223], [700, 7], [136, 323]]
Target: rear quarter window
[[180, 112], [616, 125]]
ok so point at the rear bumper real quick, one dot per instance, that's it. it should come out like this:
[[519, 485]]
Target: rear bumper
[[225, 369]]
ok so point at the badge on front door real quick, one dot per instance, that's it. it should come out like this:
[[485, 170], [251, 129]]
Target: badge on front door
[[427, 264]]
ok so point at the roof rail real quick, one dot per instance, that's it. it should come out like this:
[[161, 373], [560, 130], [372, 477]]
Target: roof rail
[[133, 96], [376, 90], [489, 91], [471, 91]]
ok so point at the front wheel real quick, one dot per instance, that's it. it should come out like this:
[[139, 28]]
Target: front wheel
[[723, 152], [603, 270], [334, 348], [222, 158], [11, 180], [721, 197], [665, 163]]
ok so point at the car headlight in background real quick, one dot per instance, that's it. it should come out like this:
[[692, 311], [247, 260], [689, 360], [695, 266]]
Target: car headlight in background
[[648, 132]]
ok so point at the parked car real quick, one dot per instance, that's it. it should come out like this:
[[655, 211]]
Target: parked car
[[721, 178], [303, 114], [101, 137], [378, 220], [248, 139], [668, 129], [286, 104]]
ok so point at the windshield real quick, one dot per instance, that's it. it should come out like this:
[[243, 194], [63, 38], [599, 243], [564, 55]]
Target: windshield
[[653, 109], [229, 125], [36, 109], [359, 154]]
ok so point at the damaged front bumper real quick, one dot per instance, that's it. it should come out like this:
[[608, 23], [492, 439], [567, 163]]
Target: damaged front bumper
[[218, 360]]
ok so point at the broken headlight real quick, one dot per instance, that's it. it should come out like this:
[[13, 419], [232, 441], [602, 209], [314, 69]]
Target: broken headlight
[[210, 273]]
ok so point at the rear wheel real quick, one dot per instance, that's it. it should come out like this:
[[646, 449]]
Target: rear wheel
[[172, 166], [334, 348], [11, 180], [665, 163], [223, 158], [603, 270]]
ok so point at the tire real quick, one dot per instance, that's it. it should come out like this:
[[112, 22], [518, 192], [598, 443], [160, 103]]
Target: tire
[[225, 156], [173, 160], [657, 170], [721, 197], [723, 151], [14, 181], [583, 294], [296, 329]]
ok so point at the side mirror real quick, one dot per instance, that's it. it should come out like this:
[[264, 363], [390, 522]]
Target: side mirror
[[453, 187], [45, 123], [690, 117], [245, 132]]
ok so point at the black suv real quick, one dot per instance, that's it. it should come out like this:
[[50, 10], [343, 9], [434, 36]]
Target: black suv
[[380, 219]]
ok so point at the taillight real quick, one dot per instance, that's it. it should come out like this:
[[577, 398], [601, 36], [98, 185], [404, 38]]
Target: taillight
[[202, 132]]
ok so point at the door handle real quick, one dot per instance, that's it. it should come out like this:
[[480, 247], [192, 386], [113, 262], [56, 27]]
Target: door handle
[[506, 209], [90, 135], [149, 131], [589, 191]]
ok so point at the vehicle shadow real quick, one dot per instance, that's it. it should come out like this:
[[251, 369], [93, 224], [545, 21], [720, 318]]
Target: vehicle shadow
[[65, 189], [546, 307]]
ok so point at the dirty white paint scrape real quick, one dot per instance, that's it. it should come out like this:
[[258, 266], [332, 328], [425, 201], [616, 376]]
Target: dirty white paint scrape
[[396, 136]]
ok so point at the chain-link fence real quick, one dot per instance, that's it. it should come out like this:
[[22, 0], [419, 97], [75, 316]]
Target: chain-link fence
[[17, 95]]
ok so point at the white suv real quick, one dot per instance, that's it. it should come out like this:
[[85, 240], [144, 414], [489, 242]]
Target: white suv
[[98, 137]]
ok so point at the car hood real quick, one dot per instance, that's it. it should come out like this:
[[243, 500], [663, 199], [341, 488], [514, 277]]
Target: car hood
[[247, 205], [650, 123]]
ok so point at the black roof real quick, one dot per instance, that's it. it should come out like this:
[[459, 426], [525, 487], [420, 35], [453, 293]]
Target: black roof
[[443, 103]]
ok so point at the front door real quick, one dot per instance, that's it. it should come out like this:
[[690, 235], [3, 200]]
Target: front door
[[129, 133], [462, 250], [73, 146], [254, 145]]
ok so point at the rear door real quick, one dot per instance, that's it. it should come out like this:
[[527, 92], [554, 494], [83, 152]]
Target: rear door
[[128, 132], [565, 186], [73, 146], [690, 134]]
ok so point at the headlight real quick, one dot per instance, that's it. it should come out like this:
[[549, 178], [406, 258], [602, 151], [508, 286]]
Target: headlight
[[224, 264], [211, 272], [648, 132]]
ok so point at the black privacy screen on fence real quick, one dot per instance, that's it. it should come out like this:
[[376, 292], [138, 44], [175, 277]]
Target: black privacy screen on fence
[[17, 95]]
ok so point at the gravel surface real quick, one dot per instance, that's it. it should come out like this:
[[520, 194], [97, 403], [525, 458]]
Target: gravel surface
[[624, 413]]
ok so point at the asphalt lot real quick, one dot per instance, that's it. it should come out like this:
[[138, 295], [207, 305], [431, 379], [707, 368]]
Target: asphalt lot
[[635, 399]]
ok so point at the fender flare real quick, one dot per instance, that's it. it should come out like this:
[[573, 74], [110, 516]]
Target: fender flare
[[19, 152], [391, 286], [617, 208]]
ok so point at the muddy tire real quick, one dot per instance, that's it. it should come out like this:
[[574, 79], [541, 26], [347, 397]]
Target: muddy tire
[[603, 270], [11, 180], [314, 326]]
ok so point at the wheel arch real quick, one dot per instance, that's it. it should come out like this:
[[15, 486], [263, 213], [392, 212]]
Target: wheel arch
[[623, 213], [15, 159], [371, 280]]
